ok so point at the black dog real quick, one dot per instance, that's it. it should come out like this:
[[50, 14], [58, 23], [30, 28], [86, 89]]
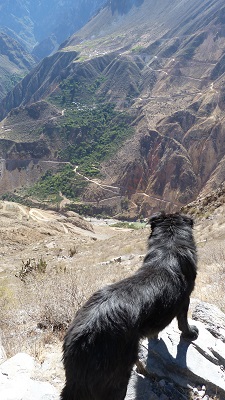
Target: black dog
[[101, 345]]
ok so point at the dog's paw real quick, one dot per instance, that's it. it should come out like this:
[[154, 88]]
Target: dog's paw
[[191, 334]]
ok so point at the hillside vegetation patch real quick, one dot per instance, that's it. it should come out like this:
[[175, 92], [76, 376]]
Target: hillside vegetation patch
[[91, 136]]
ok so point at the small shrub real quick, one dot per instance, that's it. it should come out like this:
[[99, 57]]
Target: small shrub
[[129, 225], [41, 266], [39, 312], [72, 251], [31, 266]]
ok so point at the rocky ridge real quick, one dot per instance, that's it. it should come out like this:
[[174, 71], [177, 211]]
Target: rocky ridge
[[205, 205]]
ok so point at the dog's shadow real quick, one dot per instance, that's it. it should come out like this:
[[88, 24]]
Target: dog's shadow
[[164, 365]]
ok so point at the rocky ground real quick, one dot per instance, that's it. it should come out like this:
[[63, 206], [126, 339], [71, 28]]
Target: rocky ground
[[78, 256]]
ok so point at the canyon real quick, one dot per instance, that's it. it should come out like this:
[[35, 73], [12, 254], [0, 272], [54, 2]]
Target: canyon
[[162, 66]]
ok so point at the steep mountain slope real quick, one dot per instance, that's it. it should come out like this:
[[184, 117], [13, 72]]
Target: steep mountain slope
[[163, 66], [41, 26], [15, 63]]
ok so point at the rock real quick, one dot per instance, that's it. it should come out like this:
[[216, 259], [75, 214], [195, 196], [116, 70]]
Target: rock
[[16, 381], [118, 259], [212, 317], [187, 364], [140, 388], [2, 353]]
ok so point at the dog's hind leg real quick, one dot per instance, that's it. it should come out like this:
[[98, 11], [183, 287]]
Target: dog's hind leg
[[118, 388], [188, 331], [75, 393], [66, 394], [117, 394]]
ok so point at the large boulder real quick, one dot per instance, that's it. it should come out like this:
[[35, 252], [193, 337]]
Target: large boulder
[[177, 368], [16, 381], [212, 317]]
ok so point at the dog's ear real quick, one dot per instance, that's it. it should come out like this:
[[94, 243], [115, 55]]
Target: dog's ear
[[155, 218]]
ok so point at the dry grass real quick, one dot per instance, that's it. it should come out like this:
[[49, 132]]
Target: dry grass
[[210, 235], [37, 311], [210, 283]]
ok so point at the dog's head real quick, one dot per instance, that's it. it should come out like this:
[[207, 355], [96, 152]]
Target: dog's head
[[175, 219]]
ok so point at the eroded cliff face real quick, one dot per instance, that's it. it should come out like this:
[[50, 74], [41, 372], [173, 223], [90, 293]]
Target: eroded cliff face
[[200, 129], [180, 160], [160, 176], [163, 169]]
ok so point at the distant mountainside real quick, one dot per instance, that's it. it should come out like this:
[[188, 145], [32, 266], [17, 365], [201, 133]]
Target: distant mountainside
[[41, 26], [123, 7], [15, 63], [135, 99]]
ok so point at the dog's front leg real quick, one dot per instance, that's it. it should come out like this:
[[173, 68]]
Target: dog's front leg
[[188, 331]]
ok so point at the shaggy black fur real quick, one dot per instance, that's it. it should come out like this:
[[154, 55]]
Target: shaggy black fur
[[101, 345]]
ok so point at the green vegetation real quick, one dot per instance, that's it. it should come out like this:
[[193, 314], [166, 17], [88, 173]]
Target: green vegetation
[[50, 185], [20, 196], [48, 188], [130, 225], [11, 80], [90, 131], [89, 135], [93, 135], [137, 49], [76, 91], [91, 209]]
